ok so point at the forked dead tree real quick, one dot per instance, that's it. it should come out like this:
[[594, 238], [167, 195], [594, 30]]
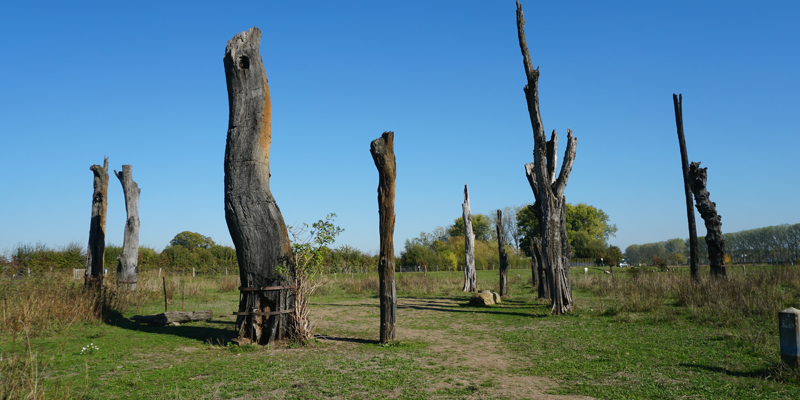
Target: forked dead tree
[[550, 206], [382, 150], [501, 248], [470, 279], [127, 269], [698, 177], [254, 220], [97, 228], [677, 100]]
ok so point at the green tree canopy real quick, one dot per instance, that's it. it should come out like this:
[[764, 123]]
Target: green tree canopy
[[481, 227], [588, 229], [192, 240]]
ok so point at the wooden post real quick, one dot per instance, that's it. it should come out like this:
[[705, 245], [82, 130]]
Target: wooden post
[[382, 150], [254, 219], [97, 229], [501, 248], [470, 279], [548, 187], [127, 268], [693, 252], [698, 177]]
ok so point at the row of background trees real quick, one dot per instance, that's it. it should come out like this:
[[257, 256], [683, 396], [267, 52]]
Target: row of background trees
[[779, 244]]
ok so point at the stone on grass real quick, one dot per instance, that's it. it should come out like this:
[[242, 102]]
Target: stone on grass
[[484, 298]]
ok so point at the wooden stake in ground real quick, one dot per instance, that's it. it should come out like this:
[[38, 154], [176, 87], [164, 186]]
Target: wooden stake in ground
[[550, 206], [698, 177], [470, 279], [382, 150], [501, 248], [127, 269], [693, 252], [254, 219], [97, 228]]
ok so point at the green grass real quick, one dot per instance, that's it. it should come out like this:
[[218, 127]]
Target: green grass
[[637, 337]]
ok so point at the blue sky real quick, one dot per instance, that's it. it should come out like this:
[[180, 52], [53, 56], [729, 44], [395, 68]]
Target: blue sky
[[143, 84]]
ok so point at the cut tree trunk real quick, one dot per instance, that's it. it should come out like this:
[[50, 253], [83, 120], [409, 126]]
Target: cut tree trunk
[[501, 248], [693, 252], [127, 269], [382, 150], [470, 280], [698, 177], [254, 220], [547, 188], [170, 317], [97, 228]]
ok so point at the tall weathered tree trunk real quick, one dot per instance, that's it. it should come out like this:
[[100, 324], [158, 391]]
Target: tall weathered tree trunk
[[538, 270], [470, 280], [97, 228], [382, 150], [501, 248], [127, 269], [548, 190], [254, 220], [677, 100], [698, 177]]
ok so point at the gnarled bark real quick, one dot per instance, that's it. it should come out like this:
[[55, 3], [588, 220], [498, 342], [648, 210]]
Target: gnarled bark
[[127, 268], [548, 190], [698, 177], [254, 219], [382, 150], [693, 252], [470, 280], [501, 248], [97, 228]]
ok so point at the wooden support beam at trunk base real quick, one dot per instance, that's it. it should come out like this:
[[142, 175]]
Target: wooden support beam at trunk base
[[693, 252], [708, 210], [501, 249], [127, 269], [173, 317], [95, 256], [382, 150], [254, 220]]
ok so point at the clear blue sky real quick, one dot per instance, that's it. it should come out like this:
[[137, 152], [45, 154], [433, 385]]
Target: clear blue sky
[[143, 83]]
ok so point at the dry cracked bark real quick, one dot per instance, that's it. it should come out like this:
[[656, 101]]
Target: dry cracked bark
[[127, 268], [698, 177], [97, 229], [382, 150], [470, 278]]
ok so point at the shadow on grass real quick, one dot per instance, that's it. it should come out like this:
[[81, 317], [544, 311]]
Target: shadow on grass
[[221, 331], [762, 373], [346, 339]]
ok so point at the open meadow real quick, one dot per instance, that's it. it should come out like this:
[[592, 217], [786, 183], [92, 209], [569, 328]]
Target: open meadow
[[639, 334]]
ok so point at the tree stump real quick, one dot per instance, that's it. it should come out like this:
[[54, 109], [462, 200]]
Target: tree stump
[[501, 249], [708, 210], [254, 220], [382, 150], [470, 279], [95, 262], [127, 269]]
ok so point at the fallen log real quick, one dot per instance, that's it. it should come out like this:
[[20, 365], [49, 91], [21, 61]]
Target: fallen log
[[173, 316]]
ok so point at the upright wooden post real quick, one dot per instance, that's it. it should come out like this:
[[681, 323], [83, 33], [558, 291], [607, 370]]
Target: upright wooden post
[[693, 253], [254, 220], [127, 268], [97, 228], [501, 248], [470, 278], [382, 150]]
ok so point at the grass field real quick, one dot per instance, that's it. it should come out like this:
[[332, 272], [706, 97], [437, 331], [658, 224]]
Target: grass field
[[636, 335]]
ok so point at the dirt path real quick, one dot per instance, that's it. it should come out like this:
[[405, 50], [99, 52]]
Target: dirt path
[[485, 364]]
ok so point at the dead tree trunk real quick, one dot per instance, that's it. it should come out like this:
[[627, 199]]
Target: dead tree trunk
[[382, 150], [501, 248], [548, 190], [470, 280], [693, 253], [254, 220], [127, 269], [698, 177], [97, 228]]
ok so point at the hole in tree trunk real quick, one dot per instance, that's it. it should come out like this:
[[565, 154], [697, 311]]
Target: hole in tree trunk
[[244, 62]]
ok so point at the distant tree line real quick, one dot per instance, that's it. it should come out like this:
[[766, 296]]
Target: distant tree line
[[779, 244]]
